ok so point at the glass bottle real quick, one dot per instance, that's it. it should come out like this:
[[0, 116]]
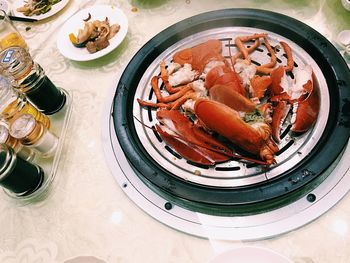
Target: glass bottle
[[34, 134], [13, 103], [22, 151], [17, 175], [29, 77]]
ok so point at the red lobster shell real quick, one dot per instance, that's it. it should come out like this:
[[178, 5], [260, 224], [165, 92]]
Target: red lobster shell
[[305, 106], [189, 140], [255, 138]]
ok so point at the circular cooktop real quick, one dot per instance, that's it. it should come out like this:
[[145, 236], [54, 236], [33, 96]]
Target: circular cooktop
[[235, 188]]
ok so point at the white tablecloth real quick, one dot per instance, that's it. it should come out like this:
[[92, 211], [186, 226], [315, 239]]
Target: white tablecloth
[[86, 212]]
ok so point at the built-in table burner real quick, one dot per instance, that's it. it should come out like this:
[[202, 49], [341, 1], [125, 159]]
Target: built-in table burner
[[233, 200]]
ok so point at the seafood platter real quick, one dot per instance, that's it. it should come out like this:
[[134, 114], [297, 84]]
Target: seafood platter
[[232, 124]]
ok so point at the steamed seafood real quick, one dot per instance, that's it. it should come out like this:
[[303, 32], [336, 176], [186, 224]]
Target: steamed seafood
[[244, 103]]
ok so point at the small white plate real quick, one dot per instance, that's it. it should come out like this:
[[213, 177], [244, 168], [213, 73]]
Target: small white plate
[[249, 255], [54, 9], [76, 22]]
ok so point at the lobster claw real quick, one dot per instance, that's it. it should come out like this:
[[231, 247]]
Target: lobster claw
[[228, 123], [305, 112], [276, 76], [302, 92], [280, 113], [188, 140]]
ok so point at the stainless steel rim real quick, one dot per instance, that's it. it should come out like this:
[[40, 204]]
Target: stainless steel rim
[[252, 227]]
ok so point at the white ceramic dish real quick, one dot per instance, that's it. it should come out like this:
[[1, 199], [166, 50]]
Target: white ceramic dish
[[249, 255], [76, 22], [54, 9]]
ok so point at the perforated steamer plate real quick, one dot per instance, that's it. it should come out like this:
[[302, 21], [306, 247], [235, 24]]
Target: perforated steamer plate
[[233, 173], [235, 187]]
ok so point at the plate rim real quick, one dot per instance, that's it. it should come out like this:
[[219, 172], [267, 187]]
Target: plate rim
[[89, 57]]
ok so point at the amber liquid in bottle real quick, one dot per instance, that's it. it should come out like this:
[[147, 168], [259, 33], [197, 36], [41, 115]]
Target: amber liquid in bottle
[[19, 107]]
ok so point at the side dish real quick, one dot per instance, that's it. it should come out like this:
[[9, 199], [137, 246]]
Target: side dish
[[95, 35], [37, 7]]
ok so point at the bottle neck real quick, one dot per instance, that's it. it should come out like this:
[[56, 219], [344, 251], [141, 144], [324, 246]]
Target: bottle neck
[[13, 102], [31, 79]]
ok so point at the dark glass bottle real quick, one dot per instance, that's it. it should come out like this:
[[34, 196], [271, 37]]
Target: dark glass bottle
[[17, 175]]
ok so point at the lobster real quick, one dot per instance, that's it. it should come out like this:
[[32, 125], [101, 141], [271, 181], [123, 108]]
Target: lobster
[[225, 106], [302, 95]]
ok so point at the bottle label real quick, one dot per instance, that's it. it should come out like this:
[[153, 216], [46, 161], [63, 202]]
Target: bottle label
[[8, 56]]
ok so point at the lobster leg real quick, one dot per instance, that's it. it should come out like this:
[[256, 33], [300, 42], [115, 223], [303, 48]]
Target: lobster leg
[[290, 60], [249, 49], [239, 43], [273, 61]]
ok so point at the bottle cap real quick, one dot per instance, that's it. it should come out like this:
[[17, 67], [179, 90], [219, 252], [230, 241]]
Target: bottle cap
[[22, 126]]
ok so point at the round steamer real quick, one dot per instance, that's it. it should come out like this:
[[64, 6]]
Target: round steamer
[[235, 187]]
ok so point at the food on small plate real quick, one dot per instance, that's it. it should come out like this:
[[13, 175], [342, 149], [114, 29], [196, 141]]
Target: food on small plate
[[95, 35], [37, 7]]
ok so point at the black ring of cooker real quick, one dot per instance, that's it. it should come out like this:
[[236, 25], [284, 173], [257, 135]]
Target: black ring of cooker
[[287, 187]]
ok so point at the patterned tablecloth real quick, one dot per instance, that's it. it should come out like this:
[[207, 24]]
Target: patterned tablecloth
[[87, 217]]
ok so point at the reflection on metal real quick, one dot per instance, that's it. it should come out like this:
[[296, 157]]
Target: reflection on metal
[[252, 227]]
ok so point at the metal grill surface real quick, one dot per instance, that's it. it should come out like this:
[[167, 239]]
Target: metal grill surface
[[293, 148]]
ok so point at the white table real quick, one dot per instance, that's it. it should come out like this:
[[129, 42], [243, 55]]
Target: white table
[[86, 212]]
